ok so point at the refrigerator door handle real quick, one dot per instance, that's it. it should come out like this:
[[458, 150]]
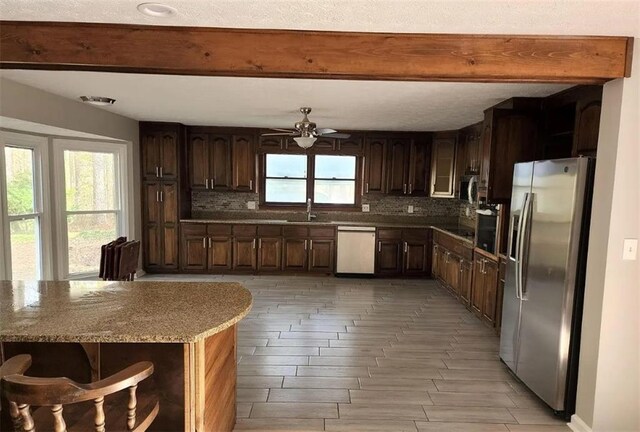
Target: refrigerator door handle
[[524, 243], [518, 244]]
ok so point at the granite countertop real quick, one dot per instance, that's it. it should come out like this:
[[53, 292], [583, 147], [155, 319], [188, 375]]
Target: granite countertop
[[458, 231], [70, 311]]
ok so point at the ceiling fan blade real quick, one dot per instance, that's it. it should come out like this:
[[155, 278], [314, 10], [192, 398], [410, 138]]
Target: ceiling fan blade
[[337, 135], [279, 134], [324, 131], [283, 130]]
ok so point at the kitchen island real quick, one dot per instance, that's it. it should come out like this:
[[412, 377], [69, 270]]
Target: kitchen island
[[89, 330]]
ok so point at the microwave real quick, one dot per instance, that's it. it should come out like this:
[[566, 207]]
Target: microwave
[[469, 189]]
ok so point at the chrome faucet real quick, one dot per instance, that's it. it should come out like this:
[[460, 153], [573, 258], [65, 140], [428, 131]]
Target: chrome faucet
[[309, 215]]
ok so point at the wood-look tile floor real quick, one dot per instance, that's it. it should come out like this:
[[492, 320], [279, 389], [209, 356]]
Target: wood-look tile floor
[[334, 354]]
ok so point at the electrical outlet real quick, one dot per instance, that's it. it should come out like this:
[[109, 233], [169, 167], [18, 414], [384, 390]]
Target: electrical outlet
[[410, 209], [251, 205], [630, 252], [365, 208]]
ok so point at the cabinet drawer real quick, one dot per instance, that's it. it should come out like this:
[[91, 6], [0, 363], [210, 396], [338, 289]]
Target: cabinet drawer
[[295, 231], [219, 230], [194, 229], [326, 232], [245, 230], [390, 234], [415, 234], [269, 230]]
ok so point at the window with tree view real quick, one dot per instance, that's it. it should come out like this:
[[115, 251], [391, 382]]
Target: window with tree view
[[333, 179]]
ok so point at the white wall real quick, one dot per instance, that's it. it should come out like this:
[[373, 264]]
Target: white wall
[[51, 115], [609, 376]]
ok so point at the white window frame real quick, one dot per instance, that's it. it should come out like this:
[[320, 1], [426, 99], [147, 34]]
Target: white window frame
[[42, 202], [123, 219]]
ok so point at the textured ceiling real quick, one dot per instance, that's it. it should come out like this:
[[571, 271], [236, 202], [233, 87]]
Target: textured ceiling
[[262, 102], [588, 17]]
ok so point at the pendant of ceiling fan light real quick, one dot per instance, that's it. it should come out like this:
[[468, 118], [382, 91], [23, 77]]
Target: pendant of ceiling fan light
[[305, 141]]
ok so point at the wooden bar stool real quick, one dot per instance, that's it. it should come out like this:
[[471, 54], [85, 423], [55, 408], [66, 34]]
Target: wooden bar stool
[[123, 411], [15, 366]]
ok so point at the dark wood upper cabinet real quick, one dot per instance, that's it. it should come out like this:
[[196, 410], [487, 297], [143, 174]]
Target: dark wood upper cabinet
[[587, 127], [220, 162], [243, 163], [508, 137], [198, 161], [398, 166], [375, 158], [419, 166], [351, 145], [324, 144], [159, 151], [443, 157], [270, 143]]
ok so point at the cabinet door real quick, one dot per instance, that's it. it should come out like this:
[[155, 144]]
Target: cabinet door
[[443, 157], [150, 155], [244, 253], [152, 251], [485, 152], [490, 291], [169, 202], [477, 290], [220, 162], [466, 271], [375, 155], [270, 142], [295, 255], [169, 154], [220, 253], [243, 163], [351, 145], [321, 255], [442, 264], [415, 257], [199, 161], [389, 257], [324, 144], [194, 252], [269, 254], [587, 126], [419, 161], [397, 166], [170, 246], [453, 270], [152, 213]]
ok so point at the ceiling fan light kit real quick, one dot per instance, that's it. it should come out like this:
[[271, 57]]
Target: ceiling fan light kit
[[306, 133]]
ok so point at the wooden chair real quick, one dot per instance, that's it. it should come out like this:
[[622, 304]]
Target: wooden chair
[[122, 413], [15, 366]]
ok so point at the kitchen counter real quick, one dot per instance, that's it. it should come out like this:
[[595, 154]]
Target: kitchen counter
[[118, 311], [460, 232], [87, 331]]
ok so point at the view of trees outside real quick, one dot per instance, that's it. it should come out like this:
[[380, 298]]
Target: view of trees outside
[[20, 201], [92, 206]]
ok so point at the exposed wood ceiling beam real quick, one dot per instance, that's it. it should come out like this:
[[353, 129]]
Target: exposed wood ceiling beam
[[312, 54]]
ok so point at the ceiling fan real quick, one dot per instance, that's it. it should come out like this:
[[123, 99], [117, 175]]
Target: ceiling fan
[[306, 133]]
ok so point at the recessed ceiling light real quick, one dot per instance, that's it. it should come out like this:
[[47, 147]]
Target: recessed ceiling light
[[157, 10], [97, 100]]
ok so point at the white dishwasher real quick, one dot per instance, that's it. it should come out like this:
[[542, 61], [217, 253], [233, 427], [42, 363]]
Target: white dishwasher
[[356, 250]]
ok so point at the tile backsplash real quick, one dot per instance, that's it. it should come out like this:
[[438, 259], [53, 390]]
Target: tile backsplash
[[205, 204]]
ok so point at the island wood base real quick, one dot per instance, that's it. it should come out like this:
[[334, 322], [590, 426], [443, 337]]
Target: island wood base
[[195, 382]]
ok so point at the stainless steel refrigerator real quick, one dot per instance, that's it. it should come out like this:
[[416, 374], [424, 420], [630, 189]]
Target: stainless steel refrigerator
[[544, 285]]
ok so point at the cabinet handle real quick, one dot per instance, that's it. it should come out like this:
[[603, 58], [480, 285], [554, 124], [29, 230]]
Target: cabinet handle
[[210, 242], [405, 247], [206, 183], [204, 242], [310, 244], [161, 197], [160, 172], [254, 243], [379, 246], [410, 188], [157, 196], [211, 183], [404, 188], [250, 184], [157, 172], [259, 243], [366, 188]]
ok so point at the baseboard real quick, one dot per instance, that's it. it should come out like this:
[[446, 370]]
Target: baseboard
[[578, 425]]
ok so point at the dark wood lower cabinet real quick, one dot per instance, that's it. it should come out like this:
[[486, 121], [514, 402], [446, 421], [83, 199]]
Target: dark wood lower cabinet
[[416, 253], [321, 255], [490, 291], [389, 257], [405, 252], [220, 253], [477, 289], [244, 254], [295, 254], [466, 279], [194, 249], [269, 254]]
